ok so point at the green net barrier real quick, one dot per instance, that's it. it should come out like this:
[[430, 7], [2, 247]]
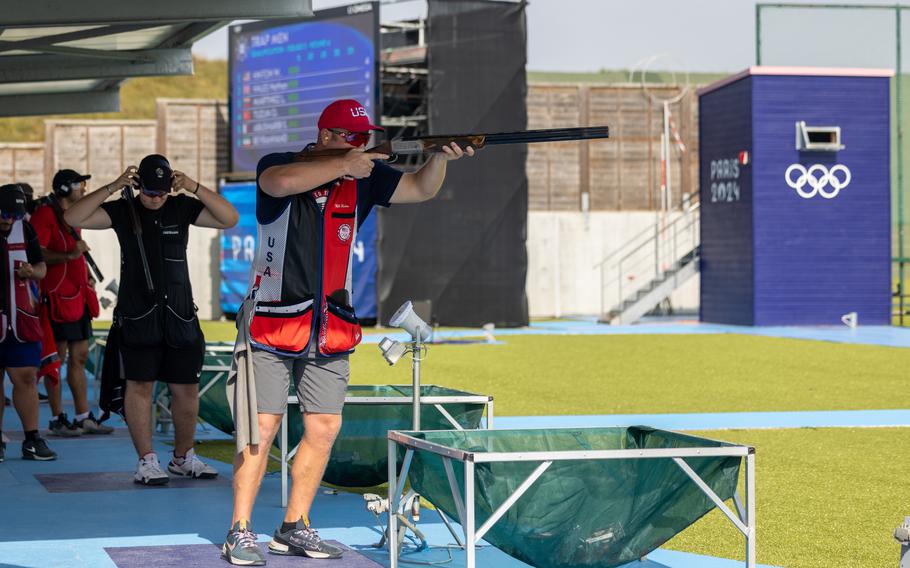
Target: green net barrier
[[580, 513], [213, 404], [360, 454]]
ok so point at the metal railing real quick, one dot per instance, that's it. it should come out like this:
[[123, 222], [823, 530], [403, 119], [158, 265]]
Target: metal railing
[[900, 299], [647, 256]]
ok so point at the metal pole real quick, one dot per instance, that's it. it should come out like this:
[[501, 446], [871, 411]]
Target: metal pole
[[758, 34], [668, 185], [557, 276], [900, 155], [657, 248], [470, 550], [750, 510], [284, 460], [393, 505], [415, 372]]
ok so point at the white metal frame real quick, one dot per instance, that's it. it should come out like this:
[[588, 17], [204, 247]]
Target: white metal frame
[[436, 401], [743, 519]]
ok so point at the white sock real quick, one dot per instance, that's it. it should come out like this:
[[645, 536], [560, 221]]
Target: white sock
[[83, 416]]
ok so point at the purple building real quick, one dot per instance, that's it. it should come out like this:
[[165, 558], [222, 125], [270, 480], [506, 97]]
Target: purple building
[[795, 171]]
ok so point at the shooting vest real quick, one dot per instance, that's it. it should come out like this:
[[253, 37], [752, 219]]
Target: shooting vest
[[301, 278], [167, 317], [20, 306], [66, 284]]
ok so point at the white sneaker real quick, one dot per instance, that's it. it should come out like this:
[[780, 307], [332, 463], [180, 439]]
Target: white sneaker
[[192, 466], [149, 471]]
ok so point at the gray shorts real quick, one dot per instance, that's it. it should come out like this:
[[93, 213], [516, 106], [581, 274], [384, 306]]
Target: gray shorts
[[321, 383]]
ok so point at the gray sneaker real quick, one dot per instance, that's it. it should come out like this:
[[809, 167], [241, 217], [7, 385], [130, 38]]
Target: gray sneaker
[[240, 546], [90, 425], [61, 426], [302, 541]]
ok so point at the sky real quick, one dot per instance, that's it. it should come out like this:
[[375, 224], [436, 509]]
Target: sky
[[698, 35]]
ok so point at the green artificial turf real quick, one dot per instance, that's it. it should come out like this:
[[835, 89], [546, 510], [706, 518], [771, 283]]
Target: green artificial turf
[[544, 375], [825, 497], [632, 374]]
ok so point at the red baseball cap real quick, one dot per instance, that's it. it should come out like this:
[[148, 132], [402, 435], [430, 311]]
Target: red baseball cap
[[347, 114]]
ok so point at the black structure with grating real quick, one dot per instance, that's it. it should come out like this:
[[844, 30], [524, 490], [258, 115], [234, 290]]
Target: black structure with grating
[[465, 250]]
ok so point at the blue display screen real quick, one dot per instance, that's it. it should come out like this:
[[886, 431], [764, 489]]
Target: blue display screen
[[282, 76]]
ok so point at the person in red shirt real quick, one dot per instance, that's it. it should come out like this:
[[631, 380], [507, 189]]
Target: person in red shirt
[[69, 292]]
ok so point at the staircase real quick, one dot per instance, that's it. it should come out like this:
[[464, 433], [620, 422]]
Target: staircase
[[644, 271]]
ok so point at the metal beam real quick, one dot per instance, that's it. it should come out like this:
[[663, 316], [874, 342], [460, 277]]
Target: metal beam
[[60, 103], [193, 33], [28, 68], [16, 13], [122, 55], [52, 39]]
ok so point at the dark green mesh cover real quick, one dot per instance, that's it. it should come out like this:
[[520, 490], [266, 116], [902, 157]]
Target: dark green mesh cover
[[360, 454], [213, 404], [595, 513]]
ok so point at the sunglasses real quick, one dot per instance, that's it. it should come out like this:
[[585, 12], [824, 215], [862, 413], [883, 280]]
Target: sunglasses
[[151, 193], [11, 216], [352, 138]]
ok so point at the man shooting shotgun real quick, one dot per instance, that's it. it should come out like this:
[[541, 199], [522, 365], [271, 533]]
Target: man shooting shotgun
[[297, 323]]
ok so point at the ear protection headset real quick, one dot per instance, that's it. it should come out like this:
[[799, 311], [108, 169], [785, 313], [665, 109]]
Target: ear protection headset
[[64, 189]]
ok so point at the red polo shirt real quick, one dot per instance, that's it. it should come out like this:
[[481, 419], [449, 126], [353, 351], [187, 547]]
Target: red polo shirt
[[66, 277]]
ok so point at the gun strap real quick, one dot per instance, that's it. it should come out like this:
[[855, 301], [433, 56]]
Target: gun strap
[[54, 203], [137, 230]]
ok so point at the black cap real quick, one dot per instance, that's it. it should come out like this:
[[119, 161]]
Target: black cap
[[12, 200], [155, 173], [67, 177]]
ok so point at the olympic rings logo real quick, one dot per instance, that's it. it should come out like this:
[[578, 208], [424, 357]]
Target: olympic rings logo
[[818, 178]]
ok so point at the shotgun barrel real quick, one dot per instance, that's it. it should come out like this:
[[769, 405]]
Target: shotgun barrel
[[427, 144]]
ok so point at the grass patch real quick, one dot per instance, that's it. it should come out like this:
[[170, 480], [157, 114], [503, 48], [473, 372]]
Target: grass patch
[[545, 375], [826, 497], [631, 374]]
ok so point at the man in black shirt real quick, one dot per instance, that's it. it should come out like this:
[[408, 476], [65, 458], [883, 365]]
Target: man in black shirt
[[21, 266], [160, 336], [301, 322]]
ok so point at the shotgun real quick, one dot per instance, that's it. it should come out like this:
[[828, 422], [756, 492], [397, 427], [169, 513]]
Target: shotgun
[[58, 213], [428, 144]]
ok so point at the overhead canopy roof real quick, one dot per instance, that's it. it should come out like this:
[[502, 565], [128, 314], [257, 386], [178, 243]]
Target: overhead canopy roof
[[65, 56]]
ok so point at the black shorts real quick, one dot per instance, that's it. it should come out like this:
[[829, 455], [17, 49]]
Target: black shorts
[[79, 330], [163, 363]]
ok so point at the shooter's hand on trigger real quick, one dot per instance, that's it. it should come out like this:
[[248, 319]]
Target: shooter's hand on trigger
[[358, 163]]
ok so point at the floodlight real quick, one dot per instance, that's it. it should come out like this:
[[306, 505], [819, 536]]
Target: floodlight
[[851, 320], [488, 329], [407, 319], [392, 350]]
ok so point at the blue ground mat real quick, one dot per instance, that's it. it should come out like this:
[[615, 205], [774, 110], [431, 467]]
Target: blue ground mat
[[207, 556], [118, 481]]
